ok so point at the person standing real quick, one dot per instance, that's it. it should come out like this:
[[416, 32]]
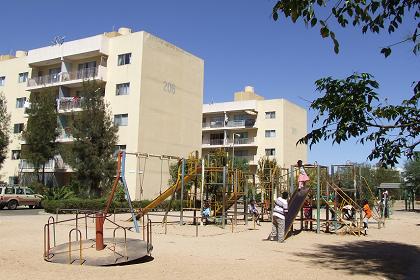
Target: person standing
[[367, 215], [279, 218], [303, 177]]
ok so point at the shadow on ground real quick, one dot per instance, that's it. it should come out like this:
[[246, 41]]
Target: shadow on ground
[[376, 258], [144, 259]]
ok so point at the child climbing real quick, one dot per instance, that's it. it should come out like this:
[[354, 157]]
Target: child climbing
[[303, 177], [367, 215], [307, 211]]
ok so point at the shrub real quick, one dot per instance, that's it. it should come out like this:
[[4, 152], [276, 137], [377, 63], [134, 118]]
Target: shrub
[[51, 206]]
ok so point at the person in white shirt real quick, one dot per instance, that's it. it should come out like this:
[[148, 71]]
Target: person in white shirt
[[279, 218]]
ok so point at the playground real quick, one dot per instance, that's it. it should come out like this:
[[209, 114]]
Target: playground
[[392, 252]]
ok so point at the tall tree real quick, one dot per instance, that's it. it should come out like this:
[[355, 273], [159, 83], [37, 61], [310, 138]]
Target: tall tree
[[412, 174], [41, 131], [4, 128], [350, 107], [95, 138]]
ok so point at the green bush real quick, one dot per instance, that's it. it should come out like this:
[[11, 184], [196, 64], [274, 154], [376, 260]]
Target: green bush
[[51, 206]]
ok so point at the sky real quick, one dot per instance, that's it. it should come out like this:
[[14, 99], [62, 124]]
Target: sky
[[240, 44]]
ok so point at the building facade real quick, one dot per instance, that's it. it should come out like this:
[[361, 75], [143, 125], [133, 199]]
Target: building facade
[[250, 128], [154, 89]]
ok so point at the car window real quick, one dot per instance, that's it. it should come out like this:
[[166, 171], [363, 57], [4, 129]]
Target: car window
[[19, 191], [1, 190], [9, 191], [29, 191]]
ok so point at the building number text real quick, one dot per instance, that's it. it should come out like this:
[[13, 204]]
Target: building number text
[[169, 87]]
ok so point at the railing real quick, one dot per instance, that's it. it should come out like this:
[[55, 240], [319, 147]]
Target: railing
[[24, 164], [69, 103], [233, 123], [248, 158], [83, 74], [242, 141], [65, 135]]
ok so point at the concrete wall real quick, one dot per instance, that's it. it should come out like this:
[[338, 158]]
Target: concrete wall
[[170, 107], [12, 90]]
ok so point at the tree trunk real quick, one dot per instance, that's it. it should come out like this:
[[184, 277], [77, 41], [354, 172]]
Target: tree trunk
[[43, 173]]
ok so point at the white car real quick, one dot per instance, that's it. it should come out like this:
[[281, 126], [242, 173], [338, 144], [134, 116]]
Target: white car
[[12, 197]]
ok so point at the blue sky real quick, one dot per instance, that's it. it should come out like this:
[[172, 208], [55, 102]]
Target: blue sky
[[238, 40]]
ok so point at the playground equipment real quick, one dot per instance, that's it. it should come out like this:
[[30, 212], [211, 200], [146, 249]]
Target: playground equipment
[[109, 251]]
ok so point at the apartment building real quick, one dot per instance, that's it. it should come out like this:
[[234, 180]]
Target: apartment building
[[251, 127], [154, 89]]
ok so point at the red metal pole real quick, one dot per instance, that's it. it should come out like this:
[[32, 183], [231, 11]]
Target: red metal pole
[[99, 231]]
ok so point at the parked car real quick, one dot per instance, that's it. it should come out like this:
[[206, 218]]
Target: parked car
[[12, 197]]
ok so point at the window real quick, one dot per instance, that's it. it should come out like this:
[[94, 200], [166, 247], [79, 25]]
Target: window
[[2, 80], [23, 77], [123, 89], [119, 148], [121, 120], [18, 127], [124, 59], [20, 102], [19, 191], [270, 152], [29, 192], [270, 133], [86, 70], [9, 191], [270, 115], [15, 154]]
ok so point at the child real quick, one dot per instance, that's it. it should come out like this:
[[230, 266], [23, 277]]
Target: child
[[206, 213], [367, 215], [303, 177], [307, 212], [252, 209]]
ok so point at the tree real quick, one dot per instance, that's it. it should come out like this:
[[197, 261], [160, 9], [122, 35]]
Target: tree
[[412, 174], [350, 107], [4, 129], [95, 136], [372, 15], [41, 131]]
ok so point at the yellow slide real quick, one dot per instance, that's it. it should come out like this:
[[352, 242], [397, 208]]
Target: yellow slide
[[166, 194]]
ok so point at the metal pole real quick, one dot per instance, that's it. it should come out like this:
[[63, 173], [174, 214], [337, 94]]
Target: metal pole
[[233, 151], [246, 198], [318, 198], [292, 179], [181, 218], [202, 189], [224, 197]]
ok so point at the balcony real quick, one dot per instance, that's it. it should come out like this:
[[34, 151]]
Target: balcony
[[65, 135], [57, 163], [234, 124], [69, 104], [70, 79], [239, 142]]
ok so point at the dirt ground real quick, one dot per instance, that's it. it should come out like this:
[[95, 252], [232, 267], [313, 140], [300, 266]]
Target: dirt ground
[[392, 252]]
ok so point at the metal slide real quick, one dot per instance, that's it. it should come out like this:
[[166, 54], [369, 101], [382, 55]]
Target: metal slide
[[166, 194], [295, 204]]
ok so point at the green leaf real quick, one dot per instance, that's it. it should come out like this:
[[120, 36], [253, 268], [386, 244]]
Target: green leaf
[[325, 32], [275, 16], [386, 51], [313, 22]]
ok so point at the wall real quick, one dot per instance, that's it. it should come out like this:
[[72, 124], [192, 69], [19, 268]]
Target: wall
[[170, 107]]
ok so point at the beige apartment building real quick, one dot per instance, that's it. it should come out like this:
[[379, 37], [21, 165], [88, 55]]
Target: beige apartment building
[[154, 89], [251, 127]]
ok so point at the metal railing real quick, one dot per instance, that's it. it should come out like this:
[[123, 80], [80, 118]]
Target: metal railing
[[24, 164], [69, 103], [84, 74], [232, 123]]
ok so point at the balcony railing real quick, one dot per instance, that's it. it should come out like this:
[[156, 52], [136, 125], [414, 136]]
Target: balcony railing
[[233, 123], [69, 103], [65, 135], [247, 158], [243, 141], [24, 164], [213, 142], [83, 74], [56, 163]]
